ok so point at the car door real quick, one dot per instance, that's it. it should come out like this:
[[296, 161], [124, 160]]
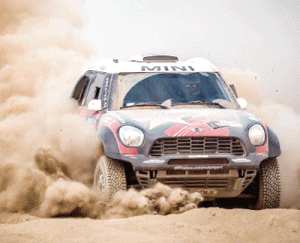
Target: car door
[[88, 87]]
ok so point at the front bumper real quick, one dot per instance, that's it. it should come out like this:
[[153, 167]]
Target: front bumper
[[212, 175], [212, 184], [141, 162]]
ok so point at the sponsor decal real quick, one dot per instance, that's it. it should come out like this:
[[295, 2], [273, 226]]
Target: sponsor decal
[[221, 124], [208, 192], [109, 121], [264, 154], [198, 167], [105, 93], [131, 156], [167, 68], [154, 161], [242, 160], [90, 119], [198, 156]]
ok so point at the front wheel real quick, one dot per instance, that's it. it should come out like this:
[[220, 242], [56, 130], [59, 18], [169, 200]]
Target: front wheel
[[109, 177], [269, 186]]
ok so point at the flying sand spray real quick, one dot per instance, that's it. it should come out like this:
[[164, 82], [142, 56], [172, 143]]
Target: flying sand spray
[[48, 154]]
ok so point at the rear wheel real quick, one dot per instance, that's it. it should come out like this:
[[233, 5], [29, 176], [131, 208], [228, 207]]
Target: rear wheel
[[109, 178], [269, 186]]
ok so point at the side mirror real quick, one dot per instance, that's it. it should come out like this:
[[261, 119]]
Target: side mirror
[[242, 103], [94, 105]]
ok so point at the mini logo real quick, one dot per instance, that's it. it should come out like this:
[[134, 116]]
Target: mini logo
[[196, 129]]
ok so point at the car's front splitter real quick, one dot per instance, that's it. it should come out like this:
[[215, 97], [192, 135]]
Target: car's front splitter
[[141, 162]]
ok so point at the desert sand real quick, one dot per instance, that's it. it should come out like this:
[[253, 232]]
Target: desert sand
[[197, 225], [43, 56]]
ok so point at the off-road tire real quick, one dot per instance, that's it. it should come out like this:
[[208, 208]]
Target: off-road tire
[[269, 186], [109, 178]]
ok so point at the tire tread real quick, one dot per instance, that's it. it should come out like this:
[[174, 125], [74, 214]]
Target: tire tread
[[116, 177], [270, 191]]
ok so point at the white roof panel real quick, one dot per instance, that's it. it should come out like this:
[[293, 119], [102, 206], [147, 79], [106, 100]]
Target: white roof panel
[[192, 65]]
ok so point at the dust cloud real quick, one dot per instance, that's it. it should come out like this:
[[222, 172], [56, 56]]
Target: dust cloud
[[48, 154], [283, 120], [160, 199], [45, 189], [43, 142]]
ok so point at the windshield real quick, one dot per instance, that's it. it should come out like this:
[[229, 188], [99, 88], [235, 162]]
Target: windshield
[[179, 88]]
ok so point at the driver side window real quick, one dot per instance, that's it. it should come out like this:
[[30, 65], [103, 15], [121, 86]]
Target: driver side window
[[80, 89], [94, 88]]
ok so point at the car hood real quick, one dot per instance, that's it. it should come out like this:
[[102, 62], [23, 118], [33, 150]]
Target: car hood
[[199, 121]]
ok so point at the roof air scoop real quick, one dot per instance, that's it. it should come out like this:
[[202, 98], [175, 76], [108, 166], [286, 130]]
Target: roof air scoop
[[155, 58]]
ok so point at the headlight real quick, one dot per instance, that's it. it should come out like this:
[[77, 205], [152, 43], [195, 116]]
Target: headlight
[[131, 136], [257, 135]]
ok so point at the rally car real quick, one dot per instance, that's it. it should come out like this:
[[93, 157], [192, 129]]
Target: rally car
[[178, 123]]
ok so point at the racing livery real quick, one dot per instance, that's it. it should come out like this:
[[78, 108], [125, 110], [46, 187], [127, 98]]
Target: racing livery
[[178, 123]]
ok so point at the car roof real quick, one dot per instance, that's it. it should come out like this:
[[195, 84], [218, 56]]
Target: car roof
[[153, 63]]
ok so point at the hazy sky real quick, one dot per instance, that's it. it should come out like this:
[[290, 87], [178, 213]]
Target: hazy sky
[[263, 36]]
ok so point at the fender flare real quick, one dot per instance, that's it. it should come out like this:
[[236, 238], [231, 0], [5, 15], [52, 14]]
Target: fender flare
[[109, 141], [274, 145]]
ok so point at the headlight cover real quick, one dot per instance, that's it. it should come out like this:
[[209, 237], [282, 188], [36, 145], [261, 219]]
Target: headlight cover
[[131, 136], [257, 135]]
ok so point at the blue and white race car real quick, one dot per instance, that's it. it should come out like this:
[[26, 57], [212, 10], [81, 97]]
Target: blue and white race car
[[163, 120]]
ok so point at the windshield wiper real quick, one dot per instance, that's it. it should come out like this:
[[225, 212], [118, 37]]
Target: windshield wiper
[[146, 104], [198, 102]]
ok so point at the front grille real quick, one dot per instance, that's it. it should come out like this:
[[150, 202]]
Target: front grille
[[197, 145], [189, 179]]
